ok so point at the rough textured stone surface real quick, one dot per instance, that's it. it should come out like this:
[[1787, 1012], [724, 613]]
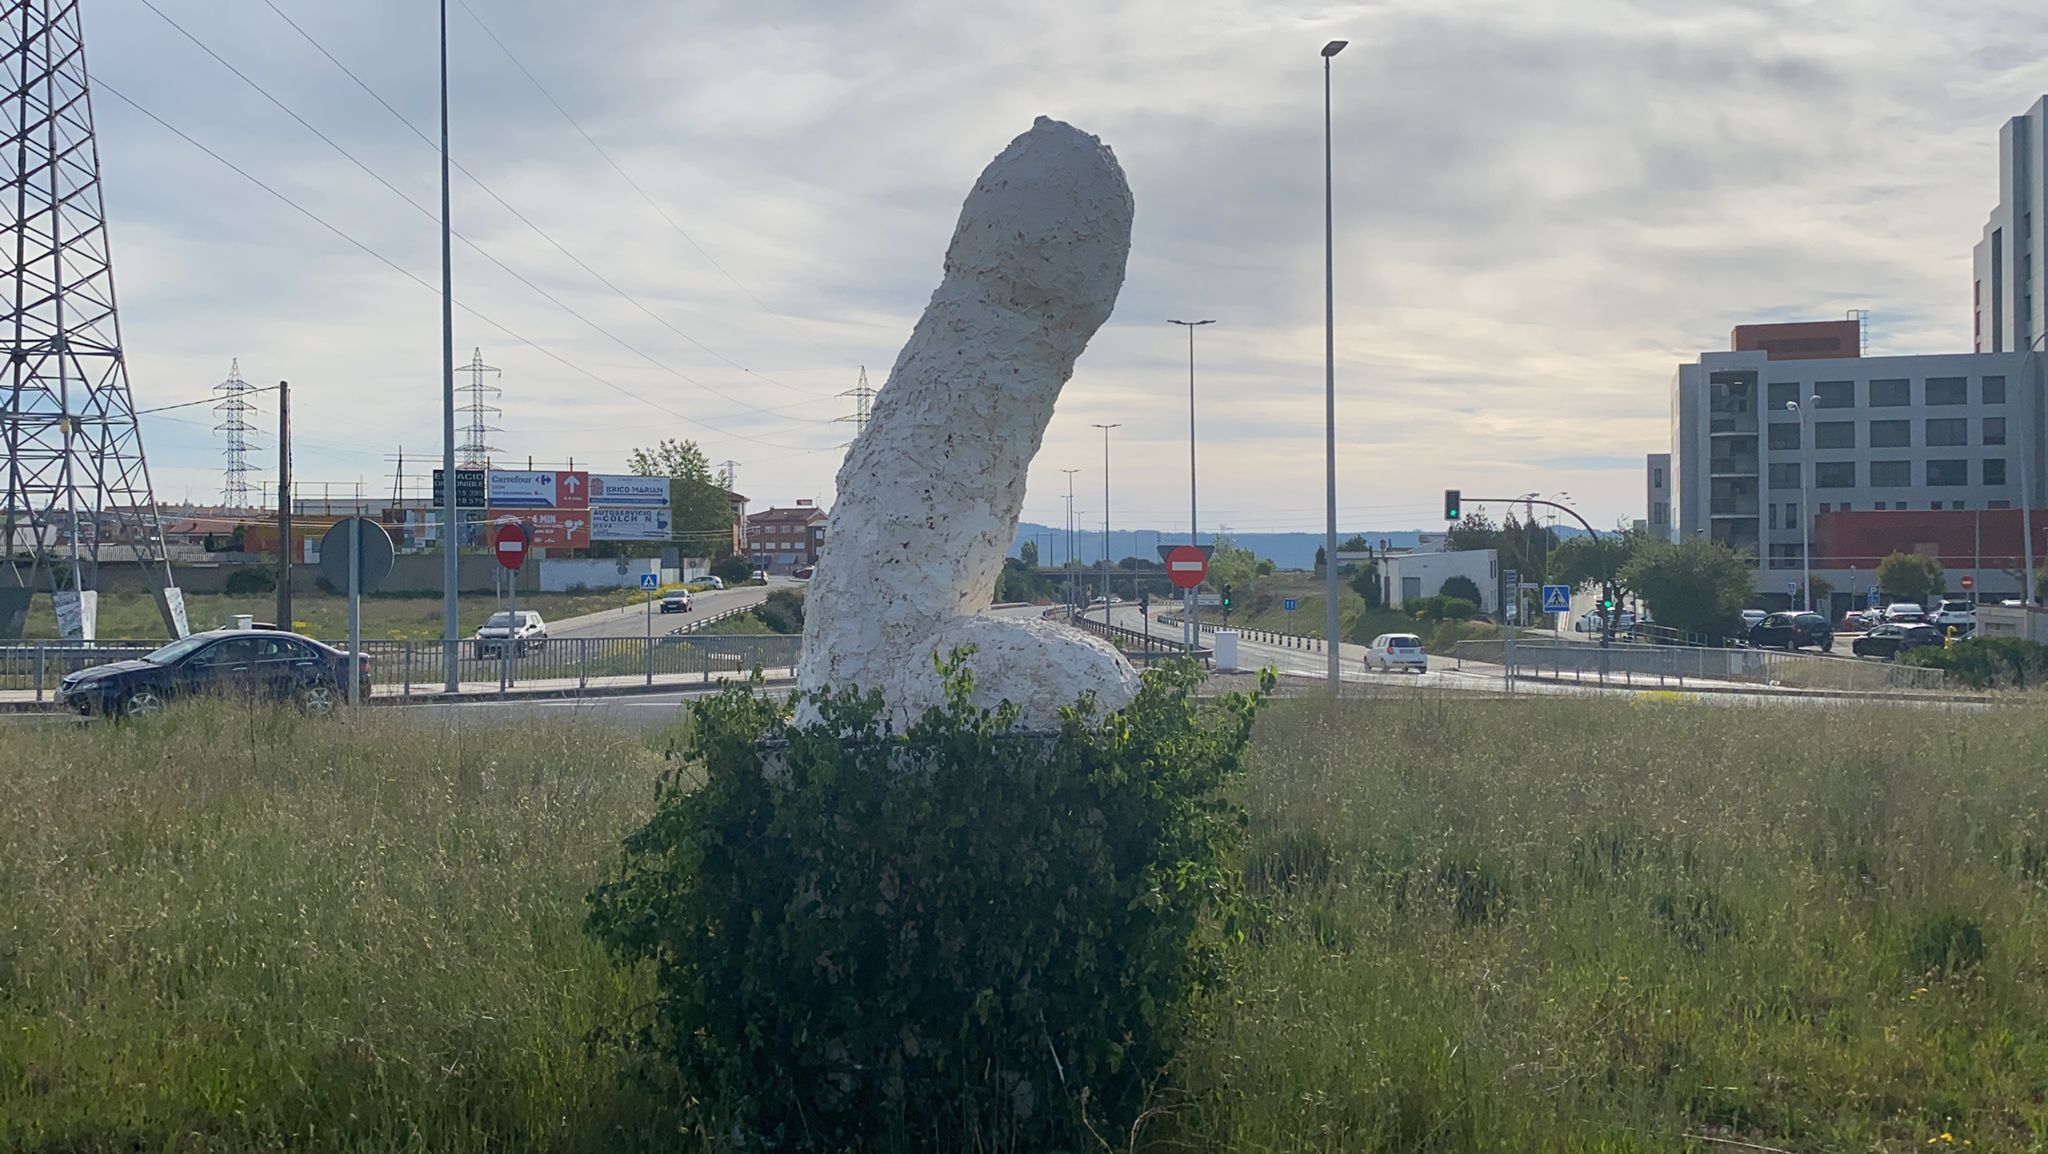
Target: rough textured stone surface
[[929, 495]]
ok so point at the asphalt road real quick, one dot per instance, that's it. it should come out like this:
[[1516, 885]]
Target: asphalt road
[[632, 621]]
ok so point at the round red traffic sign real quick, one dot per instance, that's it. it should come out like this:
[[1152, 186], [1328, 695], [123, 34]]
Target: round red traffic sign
[[1969, 583], [508, 543], [1186, 566]]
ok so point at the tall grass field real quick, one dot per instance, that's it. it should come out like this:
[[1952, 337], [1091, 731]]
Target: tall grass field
[[1561, 925]]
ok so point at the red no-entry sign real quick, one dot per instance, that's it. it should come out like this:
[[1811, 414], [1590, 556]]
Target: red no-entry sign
[[1186, 566], [508, 543]]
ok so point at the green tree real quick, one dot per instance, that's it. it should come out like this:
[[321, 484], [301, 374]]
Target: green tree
[[733, 569], [1355, 544], [1462, 588], [1581, 562], [1820, 594], [1231, 565], [1365, 581], [1696, 586], [1029, 554], [1476, 531], [671, 458], [1910, 577]]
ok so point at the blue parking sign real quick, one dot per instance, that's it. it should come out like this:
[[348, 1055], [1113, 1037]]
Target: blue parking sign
[[1872, 602]]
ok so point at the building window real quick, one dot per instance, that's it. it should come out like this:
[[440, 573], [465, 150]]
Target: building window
[[1998, 504], [1785, 476], [1994, 390], [1774, 514], [1834, 475], [1657, 477], [1782, 393], [1947, 472], [1826, 507], [1948, 390], [1891, 474], [1994, 470], [1657, 513], [1895, 393], [1834, 435], [1994, 430], [1835, 394], [1791, 515], [1948, 431], [1843, 507], [1785, 435], [1891, 434]]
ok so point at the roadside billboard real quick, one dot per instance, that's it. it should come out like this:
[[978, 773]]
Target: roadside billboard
[[550, 528], [625, 491], [541, 489], [631, 524]]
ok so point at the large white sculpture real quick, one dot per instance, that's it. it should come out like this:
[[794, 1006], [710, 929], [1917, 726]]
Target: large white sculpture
[[929, 495]]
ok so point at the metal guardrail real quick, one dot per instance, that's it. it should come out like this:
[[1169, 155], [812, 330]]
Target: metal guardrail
[[1674, 665], [1147, 646], [1271, 637], [403, 668]]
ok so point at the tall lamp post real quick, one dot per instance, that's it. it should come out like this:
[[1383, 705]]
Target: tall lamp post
[[1191, 628], [1330, 378], [450, 523], [2028, 368], [1805, 600], [1073, 575], [1106, 560]]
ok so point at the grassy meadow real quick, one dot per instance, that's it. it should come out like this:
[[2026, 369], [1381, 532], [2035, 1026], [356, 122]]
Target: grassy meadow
[[1571, 925]]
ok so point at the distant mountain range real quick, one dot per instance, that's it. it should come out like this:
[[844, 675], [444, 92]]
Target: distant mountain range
[[1285, 550]]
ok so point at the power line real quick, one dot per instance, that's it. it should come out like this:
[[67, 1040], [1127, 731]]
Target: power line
[[472, 245], [407, 274], [537, 230], [680, 231]]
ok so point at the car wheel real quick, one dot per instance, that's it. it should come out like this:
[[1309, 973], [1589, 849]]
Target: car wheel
[[318, 698], [137, 704]]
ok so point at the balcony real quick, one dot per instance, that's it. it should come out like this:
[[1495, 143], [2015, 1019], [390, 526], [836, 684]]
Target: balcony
[[1741, 466], [1735, 507], [1732, 423]]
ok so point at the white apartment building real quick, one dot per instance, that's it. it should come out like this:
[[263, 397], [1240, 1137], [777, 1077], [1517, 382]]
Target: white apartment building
[[2010, 311], [1959, 431]]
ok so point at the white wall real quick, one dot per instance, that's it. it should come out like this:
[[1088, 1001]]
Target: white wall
[[1433, 569], [559, 575]]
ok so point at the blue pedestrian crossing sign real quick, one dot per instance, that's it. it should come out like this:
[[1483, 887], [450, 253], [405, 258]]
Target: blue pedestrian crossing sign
[[650, 581], [1557, 599]]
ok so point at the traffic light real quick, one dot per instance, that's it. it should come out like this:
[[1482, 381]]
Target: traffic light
[[1607, 605], [1226, 595], [1451, 511], [1145, 602]]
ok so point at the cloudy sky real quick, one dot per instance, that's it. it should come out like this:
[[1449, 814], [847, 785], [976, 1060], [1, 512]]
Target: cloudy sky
[[1541, 207]]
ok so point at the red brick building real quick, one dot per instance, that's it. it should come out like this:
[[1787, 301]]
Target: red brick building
[[1984, 540]]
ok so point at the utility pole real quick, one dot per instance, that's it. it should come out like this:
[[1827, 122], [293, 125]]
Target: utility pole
[[450, 522], [1107, 560], [284, 504], [1072, 578]]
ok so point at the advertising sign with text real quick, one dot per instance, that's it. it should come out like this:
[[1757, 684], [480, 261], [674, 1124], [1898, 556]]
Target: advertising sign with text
[[544, 489], [623, 491], [631, 524], [551, 528]]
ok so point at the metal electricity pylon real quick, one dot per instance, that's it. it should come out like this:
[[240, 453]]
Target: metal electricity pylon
[[863, 400], [476, 449], [234, 409], [77, 487]]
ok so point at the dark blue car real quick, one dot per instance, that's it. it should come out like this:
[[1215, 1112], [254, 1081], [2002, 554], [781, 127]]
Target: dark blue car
[[223, 663]]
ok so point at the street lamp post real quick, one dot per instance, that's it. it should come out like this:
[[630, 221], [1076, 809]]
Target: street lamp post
[[1191, 611], [450, 517], [1330, 380], [1805, 600], [2028, 367], [1106, 559], [1073, 576]]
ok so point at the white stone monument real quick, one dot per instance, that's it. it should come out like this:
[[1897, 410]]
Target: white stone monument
[[929, 495]]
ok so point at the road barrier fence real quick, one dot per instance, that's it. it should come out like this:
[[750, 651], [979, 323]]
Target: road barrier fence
[[406, 668], [1675, 664]]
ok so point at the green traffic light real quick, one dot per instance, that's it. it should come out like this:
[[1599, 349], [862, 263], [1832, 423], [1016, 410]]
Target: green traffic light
[[1451, 503]]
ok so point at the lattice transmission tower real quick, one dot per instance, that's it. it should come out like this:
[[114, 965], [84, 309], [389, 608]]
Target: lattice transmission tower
[[863, 401], [477, 414], [234, 409], [77, 486]]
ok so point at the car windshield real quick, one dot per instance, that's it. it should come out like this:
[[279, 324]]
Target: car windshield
[[1956, 607], [499, 621], [1404, 642], [177, 649]]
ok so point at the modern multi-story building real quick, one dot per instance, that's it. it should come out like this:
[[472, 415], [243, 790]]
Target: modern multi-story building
[[1659, 524], [1761, 444], [2009, 310]]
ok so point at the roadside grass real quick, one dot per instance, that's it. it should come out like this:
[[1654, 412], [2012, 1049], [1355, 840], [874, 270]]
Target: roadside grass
[[1604, 925], [234, 929], [1545, 924], [133, 616]]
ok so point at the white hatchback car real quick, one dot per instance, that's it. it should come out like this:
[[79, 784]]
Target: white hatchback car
[[1391, 651]]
